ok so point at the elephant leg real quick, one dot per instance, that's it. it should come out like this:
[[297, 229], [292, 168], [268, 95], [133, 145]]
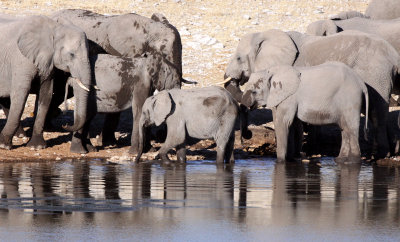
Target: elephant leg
[[137, 103], [19, 95], [345, 146], [229, 157], [111, 121], [176, 136], [77, 143], [45, 94], [283, 118], [80, 142], [379, 115], [5, 103], [298, 137], [181, 153]]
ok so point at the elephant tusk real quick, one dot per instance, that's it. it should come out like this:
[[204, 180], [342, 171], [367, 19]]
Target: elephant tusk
[[81, 84], [223, 82]]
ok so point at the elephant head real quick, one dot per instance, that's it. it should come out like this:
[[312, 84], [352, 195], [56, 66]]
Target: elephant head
[[347, 15], [155, 110], [257, 52], [270, 88], [323, 28], [50, 45]]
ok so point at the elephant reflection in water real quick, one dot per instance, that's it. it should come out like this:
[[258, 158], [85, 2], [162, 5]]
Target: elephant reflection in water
[[295, 184], [346, 194], [10, 195]]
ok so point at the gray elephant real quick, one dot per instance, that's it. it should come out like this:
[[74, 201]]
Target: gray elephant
[[377, 9], [31, 49], [383, 9], [127, 35], [387, 29], [371, 57], [201, 113], [123, 83], [330, 93]]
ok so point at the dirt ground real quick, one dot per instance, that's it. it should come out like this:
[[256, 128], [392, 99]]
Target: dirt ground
[[210, 32]]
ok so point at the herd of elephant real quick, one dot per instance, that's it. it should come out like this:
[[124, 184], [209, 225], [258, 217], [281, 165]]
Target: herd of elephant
[[126, 61]]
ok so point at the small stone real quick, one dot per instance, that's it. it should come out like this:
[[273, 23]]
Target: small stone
[[246, 17], [218, 46], [58, 158]]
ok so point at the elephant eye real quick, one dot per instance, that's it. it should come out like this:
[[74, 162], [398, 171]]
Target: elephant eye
[[238, 58], [72, 55]]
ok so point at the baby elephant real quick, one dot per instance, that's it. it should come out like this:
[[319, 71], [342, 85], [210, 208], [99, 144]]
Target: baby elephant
[[330, 93], [201, 113], [123, 83]]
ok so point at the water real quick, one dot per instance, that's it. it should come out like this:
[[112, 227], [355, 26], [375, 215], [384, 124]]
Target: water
[[252, 200]]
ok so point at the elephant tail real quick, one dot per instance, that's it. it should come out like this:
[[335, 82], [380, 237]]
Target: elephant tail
[[365, 91]]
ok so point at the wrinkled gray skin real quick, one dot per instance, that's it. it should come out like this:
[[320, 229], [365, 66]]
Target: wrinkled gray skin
[[201, 113], [330, 93], [128, 35], [31, 49], [123, 83], [371, 57], [377, 9], [348, 15], [383, 9], [387, 29]]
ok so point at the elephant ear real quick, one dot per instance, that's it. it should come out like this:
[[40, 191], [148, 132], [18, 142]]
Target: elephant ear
[[283, 82], [159, 17], [271, 48], [36, 42], [323, 28], [162, 107]]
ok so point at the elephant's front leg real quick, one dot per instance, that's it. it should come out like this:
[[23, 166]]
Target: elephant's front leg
[[5, 103], [282, 121], [379, 114], [139, 97], [19, 94], [108, 133], [45, 94], [176, 137]]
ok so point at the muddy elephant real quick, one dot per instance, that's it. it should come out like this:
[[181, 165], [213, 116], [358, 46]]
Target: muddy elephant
[[330, 93], [371, 57], [386, 29], [127, 35], [201, 113], [124, 83], [32, 48]]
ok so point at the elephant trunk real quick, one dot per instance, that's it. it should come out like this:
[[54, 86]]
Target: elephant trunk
[[142, 138], [81, 84]]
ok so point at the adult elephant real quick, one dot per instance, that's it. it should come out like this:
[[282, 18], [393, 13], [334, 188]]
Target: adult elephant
[[387, 29], [127, 35], [377, 9], [31, 48], [373, 58], [383, 9]]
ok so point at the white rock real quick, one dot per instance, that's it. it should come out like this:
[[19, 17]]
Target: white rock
[[58, 158], [194, 45], [246, 17], [184, 32], [254, 23], [218, 45]]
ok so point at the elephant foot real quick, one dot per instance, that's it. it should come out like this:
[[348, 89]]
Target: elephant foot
[[91, 148], [108, 140], [134, 150], [280, 160], [351, 159], [77, 148], [20, 132], [37, 142], [5, 142]]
